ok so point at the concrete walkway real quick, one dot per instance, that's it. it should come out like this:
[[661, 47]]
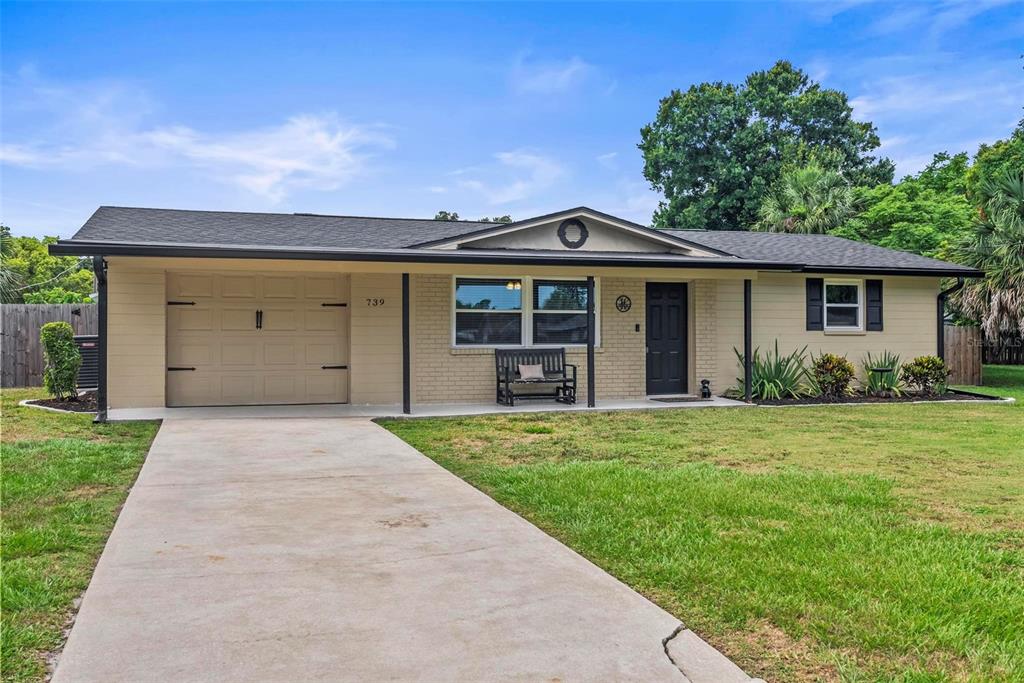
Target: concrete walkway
[[328, 549]]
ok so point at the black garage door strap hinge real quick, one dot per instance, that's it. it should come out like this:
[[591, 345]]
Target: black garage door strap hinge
[[178, 369], [342, 305], [334, 367], [181, 303]]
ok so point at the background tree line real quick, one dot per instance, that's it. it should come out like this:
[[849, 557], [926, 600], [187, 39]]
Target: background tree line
[[29, 275], [781, 153]]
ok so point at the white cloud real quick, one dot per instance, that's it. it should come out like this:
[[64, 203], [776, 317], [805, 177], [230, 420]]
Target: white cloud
[[90, 125], [518, 175], [608, 160], [437, 189], [548, 78]]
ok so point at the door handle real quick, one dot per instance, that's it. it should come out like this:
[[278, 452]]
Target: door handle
[[259, 319]]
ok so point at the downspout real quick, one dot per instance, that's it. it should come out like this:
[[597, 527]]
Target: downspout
[[591, 333], [406, 342], [99, 267], [940, 316], [748, 341]]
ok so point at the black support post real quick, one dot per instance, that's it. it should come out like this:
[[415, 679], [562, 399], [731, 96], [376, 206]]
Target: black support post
[[406, 374], [99, 267], [591, 332], [748, 343]]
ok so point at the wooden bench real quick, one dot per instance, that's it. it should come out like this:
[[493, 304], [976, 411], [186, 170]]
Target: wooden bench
[[556, 375]]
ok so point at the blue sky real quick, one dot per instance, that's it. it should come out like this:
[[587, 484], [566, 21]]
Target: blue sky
[[484, 109]]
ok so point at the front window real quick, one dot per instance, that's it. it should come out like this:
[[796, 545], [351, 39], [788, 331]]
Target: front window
[[559, 312], [521, 311], [843, 305], [488, 312]]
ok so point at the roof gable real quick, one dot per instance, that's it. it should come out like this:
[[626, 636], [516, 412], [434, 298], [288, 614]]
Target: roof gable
[[601, 232]]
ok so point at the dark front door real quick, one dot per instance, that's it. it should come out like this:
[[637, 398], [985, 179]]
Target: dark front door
[[666, 338]]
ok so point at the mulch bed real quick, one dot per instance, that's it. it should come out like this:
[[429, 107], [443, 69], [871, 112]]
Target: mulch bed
[[862, 398], [86, 403]]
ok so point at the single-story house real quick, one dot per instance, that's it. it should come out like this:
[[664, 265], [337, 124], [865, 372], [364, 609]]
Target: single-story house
[[205, 308]]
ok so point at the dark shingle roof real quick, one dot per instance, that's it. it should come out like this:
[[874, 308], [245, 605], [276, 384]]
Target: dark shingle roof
[[175, 226], [816, 251], [311, 233]]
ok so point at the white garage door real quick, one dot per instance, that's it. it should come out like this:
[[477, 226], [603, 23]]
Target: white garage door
[[250, 339]]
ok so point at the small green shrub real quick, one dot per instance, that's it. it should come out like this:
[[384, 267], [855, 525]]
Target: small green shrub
[[60, 377], [774, 376], [887, 384], [928, 374], [832, 374]]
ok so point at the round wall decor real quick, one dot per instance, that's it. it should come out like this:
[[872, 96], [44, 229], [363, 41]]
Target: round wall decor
[[572, 233], [623, 303]]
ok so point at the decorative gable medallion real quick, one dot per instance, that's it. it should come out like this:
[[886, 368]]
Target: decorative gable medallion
[[573, 233]]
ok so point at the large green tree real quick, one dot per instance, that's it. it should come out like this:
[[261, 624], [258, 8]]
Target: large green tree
[[924, 213], [31, 275], [993, 162], [716, 149]]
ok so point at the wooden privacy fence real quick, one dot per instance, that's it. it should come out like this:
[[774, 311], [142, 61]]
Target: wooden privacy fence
[[1004, 350], [21, 354], [963, 354]]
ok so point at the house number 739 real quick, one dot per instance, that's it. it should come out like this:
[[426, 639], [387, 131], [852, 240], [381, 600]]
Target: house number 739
[[375, 302]]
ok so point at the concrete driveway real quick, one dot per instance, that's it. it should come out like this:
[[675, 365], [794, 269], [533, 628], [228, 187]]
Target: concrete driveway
[[328, 549]]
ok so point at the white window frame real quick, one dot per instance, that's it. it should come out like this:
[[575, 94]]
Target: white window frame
[[859, 327], [526, 311]]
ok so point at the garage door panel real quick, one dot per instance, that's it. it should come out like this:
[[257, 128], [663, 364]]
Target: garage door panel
[[181, 286], [323, 320], [189, 389], [190, 354], [280, 287], [189, 319], [280, 319], [321, 387], [282, 389], [238, 364], [238, 319], [324, 353], [280, 353], [239, 286], [325, 289], [236, 353]]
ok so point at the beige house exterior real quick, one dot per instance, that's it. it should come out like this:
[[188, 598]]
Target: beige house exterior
[[193, 323]]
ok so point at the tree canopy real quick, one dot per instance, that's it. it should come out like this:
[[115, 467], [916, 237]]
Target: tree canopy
[[715, 150], [454, 216], [806, 199], [32, 276]]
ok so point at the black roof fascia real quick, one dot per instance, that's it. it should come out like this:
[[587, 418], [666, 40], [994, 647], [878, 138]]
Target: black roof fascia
[[81, 248]]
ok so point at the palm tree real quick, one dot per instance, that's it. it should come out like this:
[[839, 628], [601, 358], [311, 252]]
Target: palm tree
[[996, 246], [806, 199]]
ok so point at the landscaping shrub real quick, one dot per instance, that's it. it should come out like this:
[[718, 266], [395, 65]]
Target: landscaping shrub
[[927, 374], [60, 377], [832, 374], [774, 376], [886, 384]]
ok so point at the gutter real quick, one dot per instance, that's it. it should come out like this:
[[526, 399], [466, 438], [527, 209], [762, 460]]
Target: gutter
[[940, 315], [86, 248], [82, 248]]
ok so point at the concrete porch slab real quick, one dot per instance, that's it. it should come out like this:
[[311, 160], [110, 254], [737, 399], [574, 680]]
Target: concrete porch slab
[[424, 410]]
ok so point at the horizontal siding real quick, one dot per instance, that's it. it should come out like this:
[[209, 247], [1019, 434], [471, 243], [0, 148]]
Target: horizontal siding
[[136, 329], [779, 310]]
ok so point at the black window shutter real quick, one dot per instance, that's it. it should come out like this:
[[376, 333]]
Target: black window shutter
[[815, 303], [873, 290]]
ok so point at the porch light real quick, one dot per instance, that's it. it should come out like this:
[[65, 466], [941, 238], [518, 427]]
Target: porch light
[[513, 284]]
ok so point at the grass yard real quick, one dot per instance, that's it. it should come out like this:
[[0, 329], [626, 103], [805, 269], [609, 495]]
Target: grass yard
[[64, 480], [855, 543]]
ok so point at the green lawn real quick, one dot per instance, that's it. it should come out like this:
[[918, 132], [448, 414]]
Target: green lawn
[[64, 480], [857, 543]]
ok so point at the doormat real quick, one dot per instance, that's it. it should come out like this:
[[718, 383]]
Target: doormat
[[681, 399]]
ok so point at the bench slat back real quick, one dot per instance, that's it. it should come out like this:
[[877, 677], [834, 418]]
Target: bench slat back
[[553, 360]]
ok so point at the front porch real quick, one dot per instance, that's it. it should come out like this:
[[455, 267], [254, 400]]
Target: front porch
[[339, 410]]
